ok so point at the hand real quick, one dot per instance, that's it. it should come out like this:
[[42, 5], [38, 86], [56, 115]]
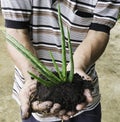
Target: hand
[[27, 107], [24, 96], [66, 115], [87, 92], [55, 109], [63, 114], [47, 106]]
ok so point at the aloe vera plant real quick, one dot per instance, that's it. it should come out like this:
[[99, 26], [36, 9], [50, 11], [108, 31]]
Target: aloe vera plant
[[52, 79], [62, 86]]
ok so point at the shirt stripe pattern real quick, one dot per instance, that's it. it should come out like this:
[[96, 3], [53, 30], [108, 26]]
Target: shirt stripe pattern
[[40, 17]]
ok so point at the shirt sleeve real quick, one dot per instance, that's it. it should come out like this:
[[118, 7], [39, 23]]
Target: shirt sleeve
[[16, 13], [105, 15]]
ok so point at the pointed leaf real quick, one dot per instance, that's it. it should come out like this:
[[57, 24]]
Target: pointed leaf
[[71, 74], [44, 82], [64, 65], [56, 66]]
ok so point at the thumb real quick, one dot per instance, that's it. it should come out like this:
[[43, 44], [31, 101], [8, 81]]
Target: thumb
[[25, 104], [88, 95], [83, 74], [25, 111]]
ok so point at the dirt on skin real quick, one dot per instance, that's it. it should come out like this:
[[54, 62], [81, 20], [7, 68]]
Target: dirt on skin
[[70, 93], [108, 68]]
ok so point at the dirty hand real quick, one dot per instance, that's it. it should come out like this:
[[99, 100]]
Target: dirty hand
[[24, 96], [27, 107], [27, 93], [87, 92], [56, 110], [65, 115], [49, 108]]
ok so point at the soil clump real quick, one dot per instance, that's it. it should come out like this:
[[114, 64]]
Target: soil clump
[[67, 94]]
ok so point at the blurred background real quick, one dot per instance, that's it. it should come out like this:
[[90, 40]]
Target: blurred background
[[108, 68]]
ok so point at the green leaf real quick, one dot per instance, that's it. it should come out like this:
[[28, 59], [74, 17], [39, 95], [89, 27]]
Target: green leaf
[[71, 74], [56, 66], [64, 65], [44, 82]]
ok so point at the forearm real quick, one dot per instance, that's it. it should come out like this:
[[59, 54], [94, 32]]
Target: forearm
[[90, 49], [19, 60]]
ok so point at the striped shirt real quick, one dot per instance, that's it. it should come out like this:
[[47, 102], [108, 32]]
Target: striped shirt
[[40, 17]]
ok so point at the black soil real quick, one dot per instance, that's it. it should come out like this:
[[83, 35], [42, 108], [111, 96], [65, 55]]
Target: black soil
[[67, 94]]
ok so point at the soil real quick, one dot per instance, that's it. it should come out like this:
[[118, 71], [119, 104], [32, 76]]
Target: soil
[[67, 94]]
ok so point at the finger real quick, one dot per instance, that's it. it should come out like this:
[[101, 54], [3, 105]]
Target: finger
[[62, 112], [25, 110], [25, 104], [32, 89], [88, 95], [43, 106], [35, 106], [71, 113], [80, 106], [56, 108], [24, 97], [65, 117]]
